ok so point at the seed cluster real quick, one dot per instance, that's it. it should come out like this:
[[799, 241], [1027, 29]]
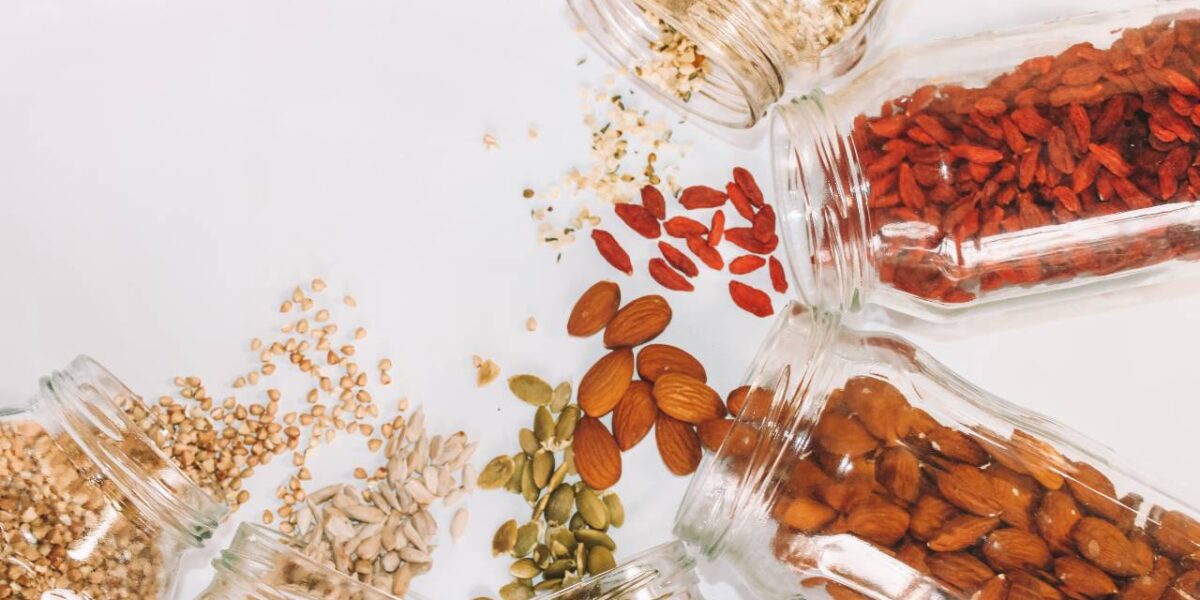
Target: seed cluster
[[64, 527], [677, 67]]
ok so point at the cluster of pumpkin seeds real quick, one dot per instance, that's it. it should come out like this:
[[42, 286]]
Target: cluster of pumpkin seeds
[[566, 536]]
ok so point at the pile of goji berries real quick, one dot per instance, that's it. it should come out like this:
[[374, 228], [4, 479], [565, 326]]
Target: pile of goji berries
[[960, 178], [675, 267]]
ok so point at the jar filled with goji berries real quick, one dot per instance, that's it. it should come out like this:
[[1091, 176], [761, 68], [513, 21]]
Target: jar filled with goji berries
[[964, 172], [860, 464], [664, 571], [89, 507], [729, 61], [261, 564]]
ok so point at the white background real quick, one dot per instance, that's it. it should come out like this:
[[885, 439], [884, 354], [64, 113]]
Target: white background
[[168, 170]]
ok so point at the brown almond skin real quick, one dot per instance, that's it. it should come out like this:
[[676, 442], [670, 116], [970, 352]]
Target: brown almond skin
[[678, 445], [958, 446], [1176, 534], [995, 589], [1041, 460], [1016, 493], [712, 433], [968, 488], [1082, 578], [687, 398], [899, 471], [736, 400], [805, 514], [1101, 543], [914, 556], [1095, 491], [962, 532], [603, 386], [959, 570], [930, 514], [1152, 586], [878, 521], [844, 436], [805, 477], [880, 406], [656, 360], [597, 457], [634, 415], [1011, 549], [1185, 587], [1023, 586], [1055, 519], [638, 322], [594, 309]]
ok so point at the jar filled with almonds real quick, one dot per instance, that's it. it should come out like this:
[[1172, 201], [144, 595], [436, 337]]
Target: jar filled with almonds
[[729, 61], [89, 507], [662, 572], [962, 173], [861, 465], [261, 564]]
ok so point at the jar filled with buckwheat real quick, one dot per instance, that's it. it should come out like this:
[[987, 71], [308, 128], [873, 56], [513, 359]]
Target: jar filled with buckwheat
[[89, 507], [860, 465]]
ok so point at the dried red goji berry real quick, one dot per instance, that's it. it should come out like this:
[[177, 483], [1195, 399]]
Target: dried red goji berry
[[764, 224], [1181, 83], [707, 254], [1111, 159], [743, 237], [678, 259], [654, 202], [701, 196], [1031, 122], [778, 279], [990, 107], [888, 127], [935, 129], [612, 251], [748, 185], [977, 154], [1081, 124], [740, 202], [639, 219], [746, 264], [1058, 152], [1067, 198], [1012, 136], [682, 227], [910, 191], [716, 229], [751, 300], [668, 277]]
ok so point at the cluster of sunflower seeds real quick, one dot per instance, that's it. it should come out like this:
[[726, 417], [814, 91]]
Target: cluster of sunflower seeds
[[566, 536], [384, 532]]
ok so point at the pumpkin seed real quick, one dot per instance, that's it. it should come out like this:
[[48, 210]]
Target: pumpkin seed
[[539, 509], [591, 537], [527, 536], [543, 466], [498, 471], [544, 427], [529, 441], [524, 569], [559, 567], [560, 397], [577, 522], [528, 489], [516, 591], [562, 502], [543, 556], [548, 585], [514, 483], [557, 478], [531, 389], [616, 509], [564, 430], [600, 560], [592, 509], [559, 550], [505, 538], [564, 537]]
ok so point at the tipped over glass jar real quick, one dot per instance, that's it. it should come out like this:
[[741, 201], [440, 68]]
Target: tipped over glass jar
[[861, 464], [89, 507], [729, 61], [661, 572], [997, 167]]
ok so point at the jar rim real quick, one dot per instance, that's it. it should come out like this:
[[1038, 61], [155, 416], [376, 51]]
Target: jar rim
[[83, 399], [669, 560]]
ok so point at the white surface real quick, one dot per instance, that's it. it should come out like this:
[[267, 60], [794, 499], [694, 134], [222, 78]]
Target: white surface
[[169, 169]]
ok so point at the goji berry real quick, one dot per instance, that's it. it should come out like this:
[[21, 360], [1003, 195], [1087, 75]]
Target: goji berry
[[701, 196], [654, 202], [740, 202], [639, 219], [778, 278], [668, 277], [744, 238], [746, 183], [751, 300], [612, 251], [707, 254], [764, 224], [678, 259], [682, 227], [716, 229], [746, 264]]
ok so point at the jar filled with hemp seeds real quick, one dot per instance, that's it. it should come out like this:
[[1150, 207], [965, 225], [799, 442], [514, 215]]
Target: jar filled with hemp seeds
[[860, 465], [729, 61], [261, 564], [89, 507]]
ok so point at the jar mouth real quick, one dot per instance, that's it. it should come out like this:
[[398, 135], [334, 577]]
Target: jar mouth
[[820, 195], [665, 569], [86, 398], [623, 31]]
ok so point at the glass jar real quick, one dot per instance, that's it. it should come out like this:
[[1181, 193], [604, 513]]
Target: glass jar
[[662, 572], [261, 564], [728, 61], [859, 463], [990, 168], [89, 508]]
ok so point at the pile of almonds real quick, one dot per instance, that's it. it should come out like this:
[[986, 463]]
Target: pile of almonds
[[671, 395], [986, 516], [674, 268]]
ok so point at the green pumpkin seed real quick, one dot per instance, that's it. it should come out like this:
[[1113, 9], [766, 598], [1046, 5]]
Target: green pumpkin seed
[[562, 503], [564, 430], [559, 550], [524, 569], [560, 397], [514, 482], [498, 471], [543, 466], [528, 489], [616, 509], [543, 425], [577, 522], [505, 538], [600, 560], [591, 537], [594, 513], [559, 567], [543, 556], [531, 389], [581, 556], [570, 579], [540, 508], [564, 537], [529, 441], [516, 591], [548, 585], [556, 479], [527, 536], [569, 460]]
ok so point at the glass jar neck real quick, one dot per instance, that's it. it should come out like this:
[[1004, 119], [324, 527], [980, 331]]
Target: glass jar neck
[[821, 195], [86, 401], [664, 571], [745, 75]]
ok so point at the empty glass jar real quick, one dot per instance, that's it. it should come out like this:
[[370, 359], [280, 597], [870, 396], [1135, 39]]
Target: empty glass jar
[[661, 572], [861, 464], [729, 61], [89, 508], [998, 167]]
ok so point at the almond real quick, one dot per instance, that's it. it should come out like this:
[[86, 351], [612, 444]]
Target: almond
[[969, 489], [597, 457], [1105, 546], [605, 383], [1023, 586], [996, 588], [687, 398], [712, 433], [959, 570], [634, 415], [594, 309], [1177, 534], [930, 514], [957, 445], [1152, 586], [1016, 493], [678, 444], [1186, 587], [1082, 578], [962, 532], [838, 591], [879, 405], [805, 478], [1041, 460], [1143, 552], [1011, 549], [914, 556], [1055, 518], [805, 514], [638, 322], [899, 471], [736, 400], [844, 436], [656, 360], [1094, 491], [878, 521]]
